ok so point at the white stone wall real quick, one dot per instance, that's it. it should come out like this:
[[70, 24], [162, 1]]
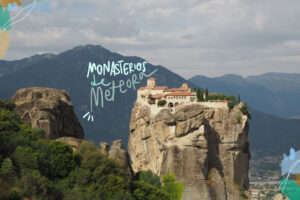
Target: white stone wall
[[205, 104], [139, 96], [154, 92], [178, 99], [153, 108]]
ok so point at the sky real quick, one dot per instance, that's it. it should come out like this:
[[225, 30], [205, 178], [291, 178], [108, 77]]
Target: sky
[[189, 37]]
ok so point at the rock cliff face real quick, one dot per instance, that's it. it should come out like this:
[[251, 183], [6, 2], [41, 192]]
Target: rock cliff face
[[49, 109], [117, 152], [206, 148]]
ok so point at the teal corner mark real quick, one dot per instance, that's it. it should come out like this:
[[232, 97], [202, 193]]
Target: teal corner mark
[[290, 165], [4, 18], [290, 189]]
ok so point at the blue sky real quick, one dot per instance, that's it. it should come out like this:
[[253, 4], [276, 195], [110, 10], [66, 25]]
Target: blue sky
[[190, 37]]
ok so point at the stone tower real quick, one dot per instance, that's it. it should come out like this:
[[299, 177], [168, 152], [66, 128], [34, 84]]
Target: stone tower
[[185, 86], [151, 82]]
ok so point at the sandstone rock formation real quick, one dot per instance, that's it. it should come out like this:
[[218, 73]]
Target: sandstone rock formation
[[206, 148], [117, 152], [104, 147], [73, 142], [50, 109]]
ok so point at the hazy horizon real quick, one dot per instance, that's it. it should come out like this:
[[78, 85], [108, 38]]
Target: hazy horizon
[[229, 73]]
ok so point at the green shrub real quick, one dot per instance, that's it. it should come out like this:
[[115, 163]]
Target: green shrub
[[7, 167], [245, 111], [44, 169], [222, 97], [7, 105], [9, 121], [161, 103], [171, 187], [231, 98], [149, 177], [216, 97], [145, 191], [242, 192], [15, 195], [230, 105], [25, 157]]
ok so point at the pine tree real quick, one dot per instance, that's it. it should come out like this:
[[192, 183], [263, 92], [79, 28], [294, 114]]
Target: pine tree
[[199, 95], [206, 94], [239, 98]]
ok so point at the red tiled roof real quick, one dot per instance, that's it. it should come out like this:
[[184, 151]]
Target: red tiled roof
[[142, 88], [175, 89], [160, 88], [155, 88], [180, 94]]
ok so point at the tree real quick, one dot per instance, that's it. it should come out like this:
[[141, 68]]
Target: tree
[[206, 94], [145, 191], [7, 167], [172, 188], [25, 157], [7, 105], [62, 159], [149, 177], [113, 185], [199, 95], [33, 184], [239, 99], [231, 98]]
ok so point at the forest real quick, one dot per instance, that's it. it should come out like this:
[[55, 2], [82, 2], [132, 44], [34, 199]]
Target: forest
[[34, 167]]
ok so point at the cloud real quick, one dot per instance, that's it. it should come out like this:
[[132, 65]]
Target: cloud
[[209, 37]]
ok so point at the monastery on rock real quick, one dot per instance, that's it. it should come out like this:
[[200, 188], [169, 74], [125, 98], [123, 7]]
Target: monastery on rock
[[152, 94]]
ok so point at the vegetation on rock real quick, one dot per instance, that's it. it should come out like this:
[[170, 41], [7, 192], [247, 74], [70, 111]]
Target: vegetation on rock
[[149, 177], [161, 103], [199, 95], [172, 188], [245, 111], [34, 167]]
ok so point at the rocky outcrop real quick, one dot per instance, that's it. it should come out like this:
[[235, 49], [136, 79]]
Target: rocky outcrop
[[50, 109], [206, 148], [73, 142], [117, 152]]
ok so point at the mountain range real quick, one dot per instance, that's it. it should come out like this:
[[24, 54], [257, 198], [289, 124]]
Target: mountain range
[[67, 71], [272, 96], [273, 93]]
